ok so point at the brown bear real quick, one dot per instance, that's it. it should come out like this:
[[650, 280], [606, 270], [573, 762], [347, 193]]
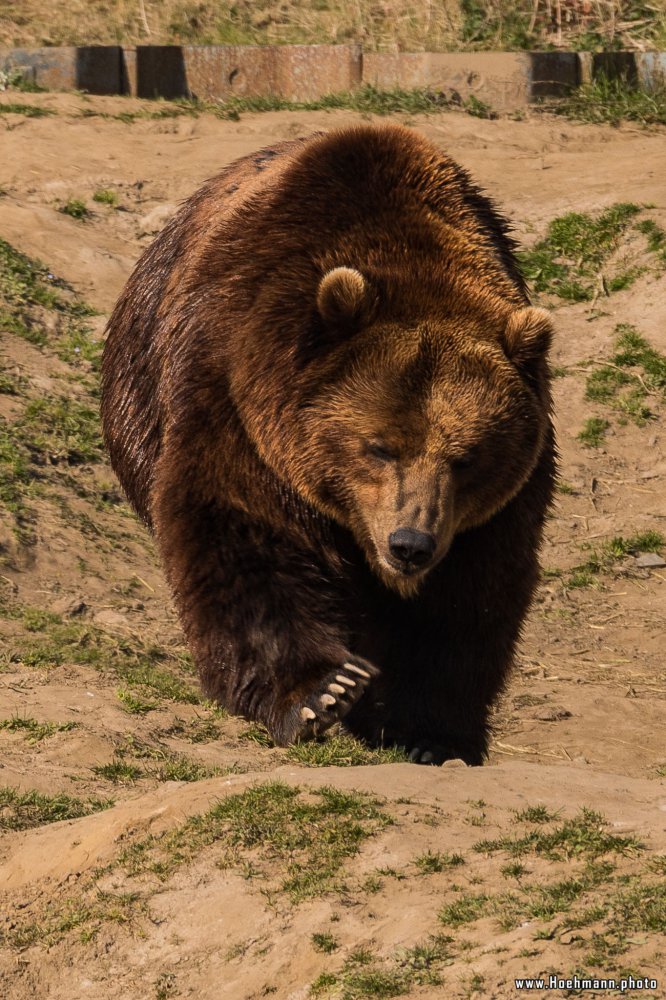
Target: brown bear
[[325, 391]]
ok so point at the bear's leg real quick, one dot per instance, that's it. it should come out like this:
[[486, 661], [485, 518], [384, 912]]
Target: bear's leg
[[264, 622]]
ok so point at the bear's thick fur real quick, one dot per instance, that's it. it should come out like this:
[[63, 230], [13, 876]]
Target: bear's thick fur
[[325, 391]]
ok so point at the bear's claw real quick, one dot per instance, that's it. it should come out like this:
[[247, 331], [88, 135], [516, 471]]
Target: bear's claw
[[332, 699]]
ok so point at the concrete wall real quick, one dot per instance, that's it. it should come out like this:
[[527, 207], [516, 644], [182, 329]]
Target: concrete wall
[[306, 72], [95, 68], [294, 72]]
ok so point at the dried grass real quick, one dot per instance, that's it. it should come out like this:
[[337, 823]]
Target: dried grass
[[381, 25], [389, 25]]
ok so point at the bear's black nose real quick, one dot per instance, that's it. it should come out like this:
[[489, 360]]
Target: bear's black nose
[[410, 546]]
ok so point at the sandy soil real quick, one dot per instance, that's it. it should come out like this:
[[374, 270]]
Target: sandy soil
[[582, 724]]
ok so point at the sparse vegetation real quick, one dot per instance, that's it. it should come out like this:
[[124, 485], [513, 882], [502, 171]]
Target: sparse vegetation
[[633, 372], [342, 750], [119, 771], [29, 110], [600, 559], [325, 943], [585, 835], [571, 261], [364, 977], [144, 669], [593, 432], [104, 196], [535, 814], [35, 731], [23, 810], [76, 209], [310, 837], [50, 430], [366, 99], [610, 102], [437, 861]]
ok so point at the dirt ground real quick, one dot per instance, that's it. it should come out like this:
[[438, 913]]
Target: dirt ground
[[582, 725]]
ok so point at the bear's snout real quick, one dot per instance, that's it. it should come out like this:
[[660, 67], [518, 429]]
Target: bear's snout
[[411, 548]]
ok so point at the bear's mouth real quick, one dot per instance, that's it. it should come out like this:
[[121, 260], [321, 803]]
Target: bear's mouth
[[402, 569]]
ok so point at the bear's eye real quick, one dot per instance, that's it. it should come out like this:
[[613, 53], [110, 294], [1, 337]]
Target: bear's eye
[[380, 451], [463, 462]]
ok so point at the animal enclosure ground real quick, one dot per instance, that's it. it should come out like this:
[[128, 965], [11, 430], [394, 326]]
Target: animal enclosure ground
[[151, 846]]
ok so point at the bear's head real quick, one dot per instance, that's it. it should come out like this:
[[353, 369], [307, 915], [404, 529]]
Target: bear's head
[[417, 431]]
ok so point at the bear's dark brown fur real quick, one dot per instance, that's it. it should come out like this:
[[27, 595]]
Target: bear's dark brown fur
[[325, 391]]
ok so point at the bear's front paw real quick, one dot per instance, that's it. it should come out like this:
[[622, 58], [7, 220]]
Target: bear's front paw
[[329, 701]]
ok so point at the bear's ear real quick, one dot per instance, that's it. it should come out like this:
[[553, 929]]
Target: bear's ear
[[344, 298], [527, 335]]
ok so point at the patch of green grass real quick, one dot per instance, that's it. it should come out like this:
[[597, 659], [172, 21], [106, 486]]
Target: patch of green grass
[[120, 772], [37, 619], [584, 835], [538, 901], [305, 838], [197, 730], [145, 670], [25, 810], [656, 237], [27, 288], [593, 432], [610, 102], [635, 367], [49, 432], [644, 541], [363, 977], [601, 559], [256, 733], [165, 986], [641, 908], [60, 918], [133, 704], [513, 870], [29, 110], [23, 328], [61, 429], [25, 281], [437, 861], [16, 484], [177, 767], [325, 943], [11, 384], [167, 766], [536, 814], [467, 908], [367, 99], [76, 209], [104, 196], [569, 261], [342, 750], [33, 730]]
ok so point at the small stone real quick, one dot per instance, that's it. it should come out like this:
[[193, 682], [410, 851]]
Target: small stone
[[156, 219], [553, 714], [69, 607], [454, 762], [650, 560]]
